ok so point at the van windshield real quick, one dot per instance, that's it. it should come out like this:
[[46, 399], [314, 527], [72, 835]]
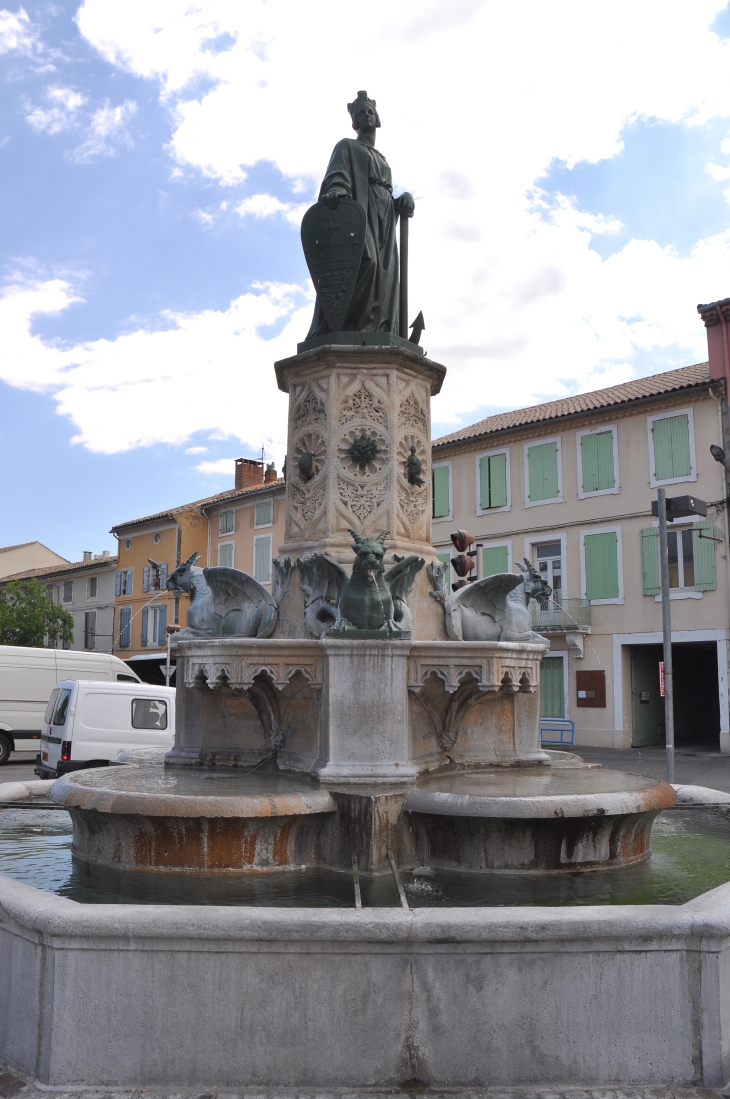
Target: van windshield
[[51, 705], [59, 716]]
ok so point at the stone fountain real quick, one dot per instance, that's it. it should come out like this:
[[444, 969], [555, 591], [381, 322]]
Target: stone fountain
[[360, 714], [360, 708]]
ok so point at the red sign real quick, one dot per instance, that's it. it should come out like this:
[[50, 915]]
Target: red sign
[[661, 678]]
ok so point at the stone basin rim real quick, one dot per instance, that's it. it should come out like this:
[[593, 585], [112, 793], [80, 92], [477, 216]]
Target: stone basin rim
[[161, 803], [654, 798]]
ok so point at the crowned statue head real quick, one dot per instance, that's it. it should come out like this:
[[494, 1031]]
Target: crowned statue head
[[360, 109]]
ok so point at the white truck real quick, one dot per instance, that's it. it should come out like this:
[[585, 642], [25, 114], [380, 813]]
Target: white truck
[[88, 723], [27, 677]]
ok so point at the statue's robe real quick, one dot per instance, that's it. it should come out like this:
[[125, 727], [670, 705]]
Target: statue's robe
[[358, 172]]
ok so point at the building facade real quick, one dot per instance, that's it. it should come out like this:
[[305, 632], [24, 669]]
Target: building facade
[[239, 529], [85, 589], [568, 487], [26, 557]]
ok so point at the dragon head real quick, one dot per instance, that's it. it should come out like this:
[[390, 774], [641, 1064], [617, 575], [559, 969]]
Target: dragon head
[[369, 554], [181, 579]]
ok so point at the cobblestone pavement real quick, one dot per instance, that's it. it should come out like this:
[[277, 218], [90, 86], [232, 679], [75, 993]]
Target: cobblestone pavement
[[13, 1087]]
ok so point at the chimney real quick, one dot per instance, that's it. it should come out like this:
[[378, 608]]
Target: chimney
[[271, 474], [716, 317], [87, 555], [105, 553], [249, 472]]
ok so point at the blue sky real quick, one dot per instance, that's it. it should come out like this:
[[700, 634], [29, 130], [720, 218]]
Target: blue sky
[[572, 191]]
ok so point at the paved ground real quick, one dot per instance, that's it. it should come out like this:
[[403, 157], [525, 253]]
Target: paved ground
[[19, 767], [12, 1087], [695, 766]]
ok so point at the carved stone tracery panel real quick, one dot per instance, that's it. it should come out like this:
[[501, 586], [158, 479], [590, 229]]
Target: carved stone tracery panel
[[362, 405], [362, 500]]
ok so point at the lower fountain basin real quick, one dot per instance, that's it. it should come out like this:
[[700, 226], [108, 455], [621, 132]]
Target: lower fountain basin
[[148, 817], [564, 820]]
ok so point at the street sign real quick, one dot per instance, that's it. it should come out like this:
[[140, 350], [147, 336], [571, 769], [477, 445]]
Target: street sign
[[679, 507], [661, 678]]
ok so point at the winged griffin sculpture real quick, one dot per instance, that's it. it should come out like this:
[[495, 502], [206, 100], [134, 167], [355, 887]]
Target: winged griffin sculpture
[[371, 599], [496, 608], [223, 602]]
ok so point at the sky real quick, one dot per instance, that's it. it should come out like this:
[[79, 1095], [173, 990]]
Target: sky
[[570, 164]]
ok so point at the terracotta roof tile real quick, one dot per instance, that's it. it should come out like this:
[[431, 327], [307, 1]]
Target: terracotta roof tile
[[686, 377], [52, 570], [207, 501]]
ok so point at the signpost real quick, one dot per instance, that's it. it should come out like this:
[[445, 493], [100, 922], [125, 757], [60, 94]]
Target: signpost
[[678, 507]]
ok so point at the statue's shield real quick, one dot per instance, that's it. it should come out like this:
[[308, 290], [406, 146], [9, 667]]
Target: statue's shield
[[333, 241]]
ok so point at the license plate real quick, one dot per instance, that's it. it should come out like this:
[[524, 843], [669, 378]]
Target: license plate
[[44, 757]]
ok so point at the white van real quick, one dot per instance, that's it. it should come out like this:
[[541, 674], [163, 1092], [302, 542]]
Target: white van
[[27, 677], [88, 723]]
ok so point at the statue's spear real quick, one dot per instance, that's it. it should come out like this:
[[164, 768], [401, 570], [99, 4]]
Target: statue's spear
[[403, 309]]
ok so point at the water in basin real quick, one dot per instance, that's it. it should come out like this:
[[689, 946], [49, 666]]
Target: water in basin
[[691, 854], [525, 782], [187, 781]]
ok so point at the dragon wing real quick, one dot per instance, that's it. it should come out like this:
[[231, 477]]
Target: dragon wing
[[400, 578], [322, 578], [233, 589], [488, 596]]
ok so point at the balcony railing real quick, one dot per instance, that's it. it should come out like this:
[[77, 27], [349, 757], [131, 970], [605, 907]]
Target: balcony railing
[[561, 616]]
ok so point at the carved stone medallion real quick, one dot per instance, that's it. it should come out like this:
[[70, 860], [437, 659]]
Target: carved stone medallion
[[309, 442], [363, 453]]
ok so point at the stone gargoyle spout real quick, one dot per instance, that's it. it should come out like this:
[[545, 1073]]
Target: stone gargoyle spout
[[496, 608], [370, 601], [223, 602]]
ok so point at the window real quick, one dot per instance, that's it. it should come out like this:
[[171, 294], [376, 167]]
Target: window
[[49, 591], [51, 705], [128, 544], [495, 559], [149, 713], [68, 591], [61, 711], [157, 538], [262, 558], [90, 630], [92, 587], [125, 627], [597, 462], [154, 621], [691, 552], [441, 478], [492, 481], [154, 576], [225, 555], [543, 481], [226, 522], [123, 582], [263, 513], [552, 687], [601, 565], [671, 448], [549, 563]]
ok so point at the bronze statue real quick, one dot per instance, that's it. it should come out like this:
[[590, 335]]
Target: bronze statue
[[366, 291], [414, 468]]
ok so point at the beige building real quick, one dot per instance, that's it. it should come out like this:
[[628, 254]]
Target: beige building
[[568, 485], [85, 589], [27, 556]]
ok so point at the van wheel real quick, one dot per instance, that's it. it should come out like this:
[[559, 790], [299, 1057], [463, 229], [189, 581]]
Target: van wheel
[[5, 749]]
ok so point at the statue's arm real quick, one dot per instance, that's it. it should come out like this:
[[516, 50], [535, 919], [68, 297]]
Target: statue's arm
[[405, 204], [337, 182]]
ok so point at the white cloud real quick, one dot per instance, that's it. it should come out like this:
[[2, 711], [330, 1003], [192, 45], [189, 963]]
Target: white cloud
[[60, 114], [196, 450], [208, 371], [503, 278], [107, 131], [265, 206], [219, 467], [17, 32]]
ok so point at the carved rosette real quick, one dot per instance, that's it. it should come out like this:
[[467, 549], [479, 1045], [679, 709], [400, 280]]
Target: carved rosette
[[377, 458], [309, 442]]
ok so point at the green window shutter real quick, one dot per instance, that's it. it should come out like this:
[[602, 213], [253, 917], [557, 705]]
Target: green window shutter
[[494, 559], [493, 481], [542, 471], [441, 504], [597, 459], [552, 692], [650, 560], [671, 448], [704, 556], [601, 558]]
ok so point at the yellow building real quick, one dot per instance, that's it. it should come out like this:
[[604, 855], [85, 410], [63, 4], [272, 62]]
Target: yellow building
[[240, 528]]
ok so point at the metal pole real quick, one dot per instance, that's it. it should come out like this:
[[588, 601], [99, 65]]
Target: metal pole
[[667, 635], [403, 308], [168, 673]]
